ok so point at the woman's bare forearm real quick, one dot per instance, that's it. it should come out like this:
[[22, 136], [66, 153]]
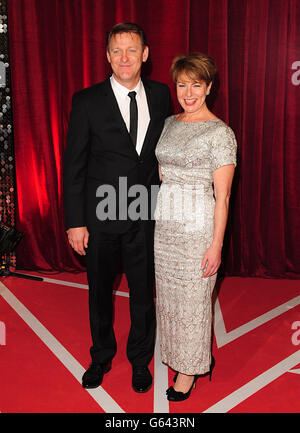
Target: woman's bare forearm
[[220, 221]]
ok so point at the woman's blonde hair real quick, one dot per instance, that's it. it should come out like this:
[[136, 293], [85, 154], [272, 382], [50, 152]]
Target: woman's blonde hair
[[197, 66]]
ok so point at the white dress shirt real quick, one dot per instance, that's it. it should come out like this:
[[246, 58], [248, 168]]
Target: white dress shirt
[[121, 94]]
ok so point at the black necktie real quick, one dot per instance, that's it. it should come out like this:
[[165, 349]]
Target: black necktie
[[133, 117]]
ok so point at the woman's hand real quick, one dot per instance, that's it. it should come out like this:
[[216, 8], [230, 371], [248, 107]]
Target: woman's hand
[[211, 261]]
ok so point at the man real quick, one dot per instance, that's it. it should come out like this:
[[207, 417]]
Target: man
[[111, 138]]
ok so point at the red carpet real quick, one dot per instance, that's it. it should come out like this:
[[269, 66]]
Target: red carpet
[[48, 339]]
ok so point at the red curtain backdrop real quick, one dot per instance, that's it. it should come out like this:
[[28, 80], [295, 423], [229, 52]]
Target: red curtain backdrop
[[58, 47]]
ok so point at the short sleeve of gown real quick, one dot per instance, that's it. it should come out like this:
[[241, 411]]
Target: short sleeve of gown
[[168, 121], [224, 146]]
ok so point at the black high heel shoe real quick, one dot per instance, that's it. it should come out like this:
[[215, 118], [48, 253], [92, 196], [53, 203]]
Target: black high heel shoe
[[173, 395], [212, 364]]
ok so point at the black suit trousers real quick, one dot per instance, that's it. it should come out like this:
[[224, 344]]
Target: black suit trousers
[[135, 249]]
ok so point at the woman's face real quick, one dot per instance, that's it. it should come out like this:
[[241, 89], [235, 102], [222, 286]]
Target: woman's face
[[191, 94]]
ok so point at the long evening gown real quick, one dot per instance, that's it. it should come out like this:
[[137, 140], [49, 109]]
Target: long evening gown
[[188, 154]]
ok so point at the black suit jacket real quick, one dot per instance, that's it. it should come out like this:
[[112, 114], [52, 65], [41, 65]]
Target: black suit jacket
[[99, 151]]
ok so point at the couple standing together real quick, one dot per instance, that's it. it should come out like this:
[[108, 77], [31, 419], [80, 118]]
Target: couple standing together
[[123, 127]]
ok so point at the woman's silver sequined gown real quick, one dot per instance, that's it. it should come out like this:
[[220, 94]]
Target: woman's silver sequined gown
[[188, 154]]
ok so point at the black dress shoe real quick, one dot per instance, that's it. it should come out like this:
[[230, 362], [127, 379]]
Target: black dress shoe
[[141, 379], [93, 376]]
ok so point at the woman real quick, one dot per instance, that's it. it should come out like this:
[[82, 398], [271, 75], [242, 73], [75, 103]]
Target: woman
[[197, 157]]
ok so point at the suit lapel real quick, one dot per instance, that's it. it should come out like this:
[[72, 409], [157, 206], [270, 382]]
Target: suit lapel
[[113, 107]]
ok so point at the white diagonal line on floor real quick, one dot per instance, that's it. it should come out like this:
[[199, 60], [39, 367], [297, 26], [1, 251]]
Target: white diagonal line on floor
[[104, 400], [65, 283], [78, 285], [223, 337], [259, 382], [219, 325], [161, 404]]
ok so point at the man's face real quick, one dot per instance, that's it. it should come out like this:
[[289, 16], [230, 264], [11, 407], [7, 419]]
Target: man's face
[[126, 55]]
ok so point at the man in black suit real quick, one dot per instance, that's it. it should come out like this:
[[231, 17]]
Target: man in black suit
[[114, 127]]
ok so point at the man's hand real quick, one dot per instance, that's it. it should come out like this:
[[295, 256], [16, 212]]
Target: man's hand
[[78, 238]]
